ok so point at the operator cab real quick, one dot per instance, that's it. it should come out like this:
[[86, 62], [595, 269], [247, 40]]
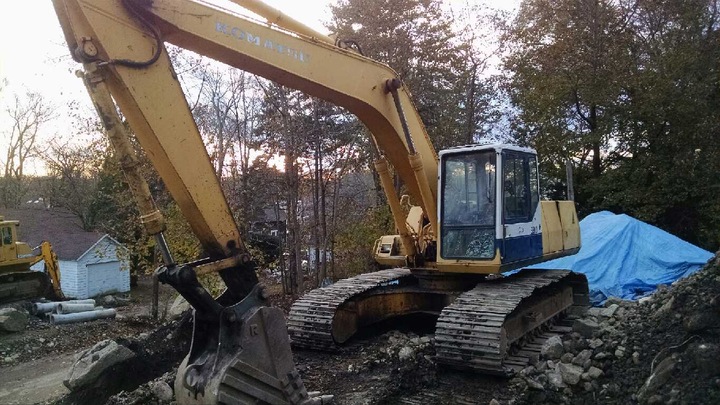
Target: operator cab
[[489, 204]]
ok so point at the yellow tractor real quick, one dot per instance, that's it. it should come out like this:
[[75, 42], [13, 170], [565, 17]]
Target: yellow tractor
[[17, 281]]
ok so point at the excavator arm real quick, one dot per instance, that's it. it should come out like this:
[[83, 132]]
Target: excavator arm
[[52, 267], [113, 33], [240, 351]]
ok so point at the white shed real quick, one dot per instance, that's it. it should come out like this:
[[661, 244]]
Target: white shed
[[101, 269], [91, 263]]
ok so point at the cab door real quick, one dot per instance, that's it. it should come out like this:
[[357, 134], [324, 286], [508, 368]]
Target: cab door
[[521, 216], [7, 247]]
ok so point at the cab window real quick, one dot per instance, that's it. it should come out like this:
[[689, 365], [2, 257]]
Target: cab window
[[6, 235], [520, 187], [468, 205]]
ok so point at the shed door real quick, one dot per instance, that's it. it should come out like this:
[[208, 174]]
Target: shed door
[[104, 278]]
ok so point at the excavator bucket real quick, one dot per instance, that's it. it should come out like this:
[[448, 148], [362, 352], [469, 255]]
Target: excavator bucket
[[254, 365], [240, 353]]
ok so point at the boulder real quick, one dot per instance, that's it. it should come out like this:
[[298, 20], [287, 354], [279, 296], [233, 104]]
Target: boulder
[[555, 380], [570, 373], [610, 311], [595, 343], [178, 307], [109, 301], [406, 353], [655, 400], [582, 357], [534, 385], [566, 358], [12, 320], [657, 379], [705, 357], [594, 373], [701, 321], [586, 327], [595, 311], [645, 300], [92, 362], [665, 309], [601, 356], [529, 370], [552, 348], [162, 391]]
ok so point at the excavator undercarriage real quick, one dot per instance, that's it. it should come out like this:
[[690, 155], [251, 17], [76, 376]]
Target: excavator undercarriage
[[23, 285], [487, 326]]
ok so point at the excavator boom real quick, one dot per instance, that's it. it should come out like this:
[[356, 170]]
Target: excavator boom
[[106, 28]]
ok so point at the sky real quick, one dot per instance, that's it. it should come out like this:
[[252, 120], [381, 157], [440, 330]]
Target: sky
[[34, 56]]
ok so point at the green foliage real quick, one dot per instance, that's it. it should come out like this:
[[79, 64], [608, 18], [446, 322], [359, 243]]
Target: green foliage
[[183, 243], [566, 60], [628, 91], [416, 39], [353, 248]]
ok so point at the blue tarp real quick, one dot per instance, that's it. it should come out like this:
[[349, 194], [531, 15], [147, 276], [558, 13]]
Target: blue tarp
[[627, 258]]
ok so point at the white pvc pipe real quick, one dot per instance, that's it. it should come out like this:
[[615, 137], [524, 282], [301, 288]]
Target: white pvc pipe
[[60, 319], [39, 308]]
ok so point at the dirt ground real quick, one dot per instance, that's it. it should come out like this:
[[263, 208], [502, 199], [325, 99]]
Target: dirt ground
[[34, 363], [393, 362]]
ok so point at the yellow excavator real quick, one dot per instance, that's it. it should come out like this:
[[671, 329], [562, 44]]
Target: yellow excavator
[[17, 281], [478, 211]]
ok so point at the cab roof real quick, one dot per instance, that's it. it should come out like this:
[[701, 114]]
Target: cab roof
[[498, 147]]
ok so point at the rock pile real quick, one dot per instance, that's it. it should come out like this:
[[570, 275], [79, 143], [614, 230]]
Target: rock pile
[[663, 350], [400, 351], [158, 391], [577, 361]]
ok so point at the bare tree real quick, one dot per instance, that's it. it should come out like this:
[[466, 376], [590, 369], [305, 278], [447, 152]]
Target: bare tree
[[27, 115], [74, 175], [217, 111]]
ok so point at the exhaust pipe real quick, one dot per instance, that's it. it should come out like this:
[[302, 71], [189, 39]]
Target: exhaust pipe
[[61, 319]]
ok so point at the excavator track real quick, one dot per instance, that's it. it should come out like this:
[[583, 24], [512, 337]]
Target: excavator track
[[310, 323], [495, 327], [23, 285]]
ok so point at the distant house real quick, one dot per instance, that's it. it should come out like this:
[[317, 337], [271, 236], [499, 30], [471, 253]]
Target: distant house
[[91, 263], [272, 221]]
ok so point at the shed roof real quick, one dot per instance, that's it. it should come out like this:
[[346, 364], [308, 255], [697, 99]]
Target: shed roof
[[59, 227]]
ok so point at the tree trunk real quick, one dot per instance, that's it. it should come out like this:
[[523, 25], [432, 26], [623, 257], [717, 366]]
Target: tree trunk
[[323, 225], [470, 107], [316, 207], [596, 163]]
